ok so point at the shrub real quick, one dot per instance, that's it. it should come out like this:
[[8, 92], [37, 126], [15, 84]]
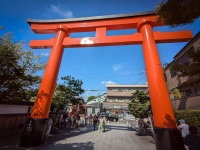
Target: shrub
[[191, 117]]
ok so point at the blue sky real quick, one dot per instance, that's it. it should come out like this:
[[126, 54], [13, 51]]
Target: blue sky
[[95, 66]]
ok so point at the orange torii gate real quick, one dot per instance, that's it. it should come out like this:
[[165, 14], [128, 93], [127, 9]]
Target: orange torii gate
[[166, 134]]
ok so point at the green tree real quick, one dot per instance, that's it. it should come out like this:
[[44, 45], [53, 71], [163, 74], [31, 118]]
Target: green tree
[[90, 98], [59, 98], [67, 92], [73, 87], [190, 68], [140, 105], [178, 12], [18, 68], [176, 93]]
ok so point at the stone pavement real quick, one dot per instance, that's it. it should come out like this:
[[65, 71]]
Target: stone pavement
[[116, 137]]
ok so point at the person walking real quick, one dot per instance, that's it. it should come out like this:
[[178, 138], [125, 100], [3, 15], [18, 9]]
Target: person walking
[[65, 115], [90, 119], [184, 128], [78, 119], [69, 121], [86, 119], [95, 121], [72, 121], [104, 123], [49, 125], [60, 119], [98, 115], [100, 127], [83, 121]]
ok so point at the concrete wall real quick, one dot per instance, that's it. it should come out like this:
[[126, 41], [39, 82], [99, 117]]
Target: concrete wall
[[174, 82], [14, 109], [120, 94], [11, 115], [186, 103], [89, 111], [9, 124]]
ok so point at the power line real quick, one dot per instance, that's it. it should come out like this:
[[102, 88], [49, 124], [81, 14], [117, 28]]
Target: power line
[[94, 90]]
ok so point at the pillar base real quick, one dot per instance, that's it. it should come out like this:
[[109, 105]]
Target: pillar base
[[34, 132], [168, 139]]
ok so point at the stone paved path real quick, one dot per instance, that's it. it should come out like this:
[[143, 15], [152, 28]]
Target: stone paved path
[[116, 137]]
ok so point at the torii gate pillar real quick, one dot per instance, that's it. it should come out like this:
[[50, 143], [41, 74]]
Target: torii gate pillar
[[167, 136], [37, 123]]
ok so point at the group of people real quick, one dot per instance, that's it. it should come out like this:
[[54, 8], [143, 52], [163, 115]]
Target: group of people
[[98, 121], [62, 120], [143, 127], [74, 121]]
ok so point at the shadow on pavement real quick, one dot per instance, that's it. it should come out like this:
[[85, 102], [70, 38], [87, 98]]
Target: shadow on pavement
[[55, 140], [12, 142], [71, 146]]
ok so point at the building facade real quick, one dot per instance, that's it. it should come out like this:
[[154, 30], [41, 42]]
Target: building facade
[[119, 96], [95, 105], [188, 86]]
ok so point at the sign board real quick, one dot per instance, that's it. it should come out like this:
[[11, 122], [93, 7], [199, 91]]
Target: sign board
[[117, 106]]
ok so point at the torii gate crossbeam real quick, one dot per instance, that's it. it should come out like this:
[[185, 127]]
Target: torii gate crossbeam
[[166, 134]]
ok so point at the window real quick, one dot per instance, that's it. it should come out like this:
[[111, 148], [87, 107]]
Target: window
[[173, 73], [179, 61], [121, 101], [165, 76], [114, 89]]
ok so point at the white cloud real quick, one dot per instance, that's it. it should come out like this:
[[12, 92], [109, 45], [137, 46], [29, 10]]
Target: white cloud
[[108, 82], [54, 8], [65, 14], [116, 68], [69, 14], [119, 69]]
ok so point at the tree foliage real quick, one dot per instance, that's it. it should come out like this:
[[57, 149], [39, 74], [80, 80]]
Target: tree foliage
[[18, 68], [67, 92], [90, 98], [140, 105], [176, 93], [178, 12], [189, 68]]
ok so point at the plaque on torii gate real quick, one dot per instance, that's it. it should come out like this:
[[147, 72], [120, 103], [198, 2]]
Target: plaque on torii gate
[[167, 136]]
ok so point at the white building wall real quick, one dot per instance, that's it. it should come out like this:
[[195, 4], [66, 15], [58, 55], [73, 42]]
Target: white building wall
[[89, 111], [13, 109]]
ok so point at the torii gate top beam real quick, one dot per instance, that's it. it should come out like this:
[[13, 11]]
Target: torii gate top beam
[[100, 25], [87, 24]]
